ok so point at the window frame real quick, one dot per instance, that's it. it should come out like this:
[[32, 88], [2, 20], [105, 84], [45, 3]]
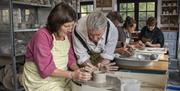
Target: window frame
[[85, 3], [136, 8]]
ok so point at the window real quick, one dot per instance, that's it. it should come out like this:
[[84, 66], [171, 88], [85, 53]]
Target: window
[[146, 10], [86, 8], [126, 9], [5, 16], [141, 10]]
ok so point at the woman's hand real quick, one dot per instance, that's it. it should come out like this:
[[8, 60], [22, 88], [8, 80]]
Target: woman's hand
[[81, 75], [89, 68]]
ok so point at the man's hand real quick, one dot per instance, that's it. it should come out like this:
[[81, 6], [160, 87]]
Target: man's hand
[[106, 66], [123, 51], [148, 44], [89, 68]]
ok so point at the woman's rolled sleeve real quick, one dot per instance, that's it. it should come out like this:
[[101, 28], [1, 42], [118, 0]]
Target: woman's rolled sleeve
[[71, 57], [43, 56]]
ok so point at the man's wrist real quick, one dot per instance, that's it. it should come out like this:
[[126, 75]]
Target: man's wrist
[[85, 63], [105, 61]]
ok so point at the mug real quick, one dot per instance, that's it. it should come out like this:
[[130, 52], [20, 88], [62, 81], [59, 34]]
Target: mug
[[99, 77], [130, 85]]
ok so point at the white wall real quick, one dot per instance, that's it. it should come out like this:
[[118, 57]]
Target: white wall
[[178, 54]]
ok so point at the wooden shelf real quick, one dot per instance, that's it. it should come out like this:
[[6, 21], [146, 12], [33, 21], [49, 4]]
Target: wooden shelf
[[169, 0], [170, 15], [169, 30], [31, 4], [169, 25], [19, 54], [25, 30], [169, 6]]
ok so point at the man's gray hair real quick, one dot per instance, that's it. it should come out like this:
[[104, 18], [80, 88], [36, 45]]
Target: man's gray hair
[[96, 21]]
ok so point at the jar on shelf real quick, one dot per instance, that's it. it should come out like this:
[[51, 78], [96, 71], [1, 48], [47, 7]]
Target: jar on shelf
[[164, 4], [174, 12]]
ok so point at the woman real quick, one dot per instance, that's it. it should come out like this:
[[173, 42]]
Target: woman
[[49, 54], [125, 45]]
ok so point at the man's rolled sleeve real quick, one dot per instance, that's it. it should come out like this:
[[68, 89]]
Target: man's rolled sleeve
[[109, 49], [107, 56]]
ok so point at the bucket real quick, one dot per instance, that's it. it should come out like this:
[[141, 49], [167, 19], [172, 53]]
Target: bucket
[[130, 85]]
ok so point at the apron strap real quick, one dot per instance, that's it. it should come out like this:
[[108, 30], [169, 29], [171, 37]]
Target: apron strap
[[81, 40], [107, 33]]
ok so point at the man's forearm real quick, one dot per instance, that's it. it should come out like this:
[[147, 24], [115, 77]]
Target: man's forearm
[[85, 63], [104, 60], [156, 45]]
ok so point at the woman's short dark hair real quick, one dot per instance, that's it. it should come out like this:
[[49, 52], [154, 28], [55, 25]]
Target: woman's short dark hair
[[113, 16], [60, 14], [151, 21], [129, 22]]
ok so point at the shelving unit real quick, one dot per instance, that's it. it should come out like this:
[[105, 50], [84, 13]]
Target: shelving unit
[[32, 4], [25, 30], [169, 15], [19, 21], [169, 25]]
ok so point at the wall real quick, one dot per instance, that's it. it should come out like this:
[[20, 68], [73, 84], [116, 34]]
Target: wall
[[159, 12], [42, 15], [179, 34]]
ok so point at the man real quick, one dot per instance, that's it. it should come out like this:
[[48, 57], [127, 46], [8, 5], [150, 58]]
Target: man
[[151, 35], [95, 39]]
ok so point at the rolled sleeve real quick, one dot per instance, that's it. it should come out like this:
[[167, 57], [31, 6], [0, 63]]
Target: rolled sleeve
[[42, 55], [71, 57], [83, 58], [108, 52], [106, 56]]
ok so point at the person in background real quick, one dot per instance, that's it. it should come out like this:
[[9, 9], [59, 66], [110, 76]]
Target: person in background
[[95, 39], [50, 54], [151, 35], [116, 19], [124, 47]]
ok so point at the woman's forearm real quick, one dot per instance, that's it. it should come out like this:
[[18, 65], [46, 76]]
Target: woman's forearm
[[62, 73], [74, 67]]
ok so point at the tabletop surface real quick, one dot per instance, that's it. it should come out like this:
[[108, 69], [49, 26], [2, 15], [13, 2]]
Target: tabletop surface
[[160, 65]]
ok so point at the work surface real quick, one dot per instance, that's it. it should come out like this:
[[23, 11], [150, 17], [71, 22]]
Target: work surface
[[160, 65], [149, 82]]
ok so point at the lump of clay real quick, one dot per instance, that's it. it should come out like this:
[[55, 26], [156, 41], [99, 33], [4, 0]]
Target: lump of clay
[[130, 53], [153, 57]]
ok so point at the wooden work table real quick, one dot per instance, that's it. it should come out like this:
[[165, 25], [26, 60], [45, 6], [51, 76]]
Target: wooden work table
[[160, 65]]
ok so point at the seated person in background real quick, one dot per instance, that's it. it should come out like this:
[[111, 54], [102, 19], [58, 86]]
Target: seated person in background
[[95, 39], [116, 18], [151, 35], [123, 46], [49, 54]]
